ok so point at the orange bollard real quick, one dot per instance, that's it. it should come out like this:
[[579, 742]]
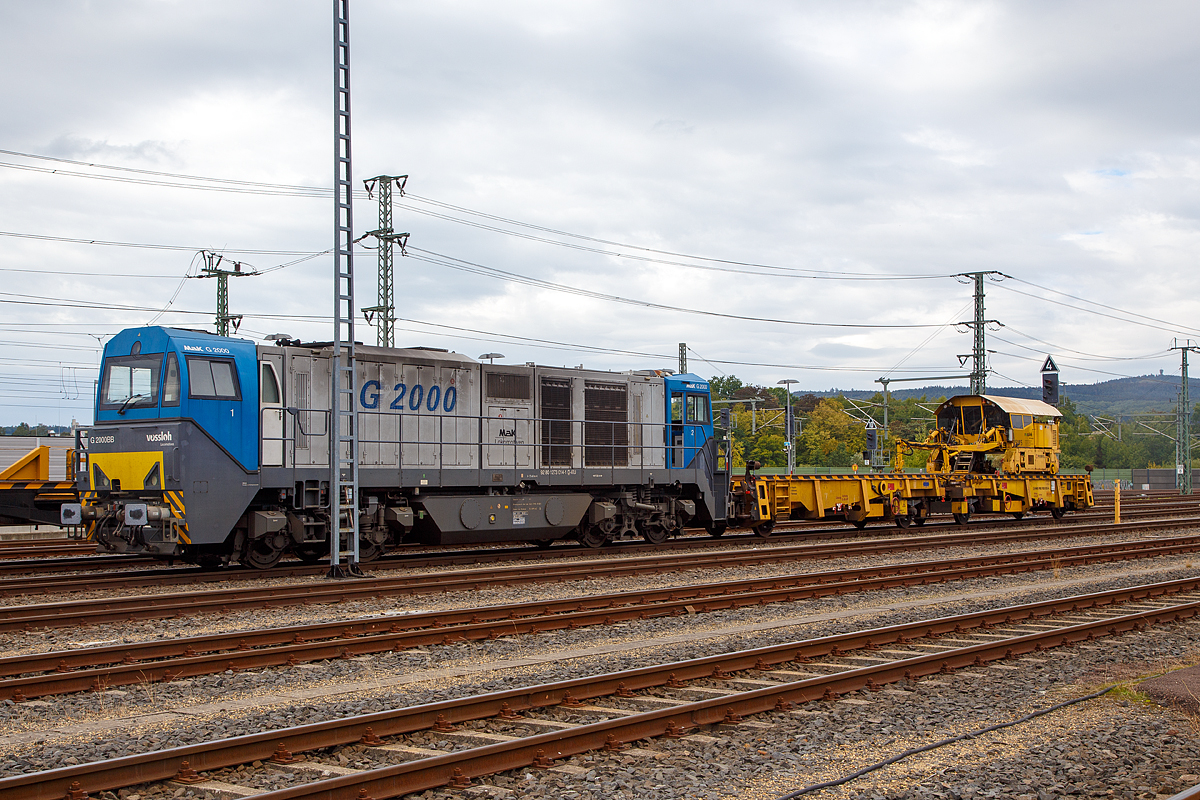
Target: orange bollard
[[1117, 502]]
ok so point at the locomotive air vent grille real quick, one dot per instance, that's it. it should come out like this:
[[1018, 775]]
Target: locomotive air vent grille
[[556, 426], [605, 429], [503, 386]]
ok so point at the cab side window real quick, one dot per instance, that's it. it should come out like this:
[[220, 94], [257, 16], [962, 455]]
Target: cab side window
[[212, 379], [697, 408], [170, 392], [676, 406]]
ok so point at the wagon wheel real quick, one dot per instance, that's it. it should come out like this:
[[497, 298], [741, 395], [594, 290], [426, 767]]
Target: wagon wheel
[[859, 523], [919, 519], [904, 520], [1057, 512], [961, 519], [764, 529], [1018, 514], [717, 530], [261, 554], [542, 544], [592, 536]]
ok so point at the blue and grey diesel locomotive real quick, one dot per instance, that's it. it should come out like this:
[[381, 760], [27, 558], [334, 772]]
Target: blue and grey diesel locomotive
[[210, 449]]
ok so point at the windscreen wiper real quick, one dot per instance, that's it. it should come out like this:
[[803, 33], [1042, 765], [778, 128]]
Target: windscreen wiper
[[130, 402]]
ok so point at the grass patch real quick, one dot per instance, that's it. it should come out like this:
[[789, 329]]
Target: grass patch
[[1126, 692]]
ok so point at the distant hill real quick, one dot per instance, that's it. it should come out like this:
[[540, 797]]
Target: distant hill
[[1146, 393]]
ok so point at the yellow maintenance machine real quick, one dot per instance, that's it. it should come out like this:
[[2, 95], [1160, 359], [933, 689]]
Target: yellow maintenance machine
[[990, 455]]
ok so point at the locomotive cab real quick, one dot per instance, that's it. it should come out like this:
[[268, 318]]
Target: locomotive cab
[[168, 401]]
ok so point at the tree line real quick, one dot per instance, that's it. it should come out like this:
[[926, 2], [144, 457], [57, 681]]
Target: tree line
[[25, 429], [831, 431]]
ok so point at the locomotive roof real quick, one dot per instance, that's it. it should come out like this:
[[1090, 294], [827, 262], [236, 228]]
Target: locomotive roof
[[373, 353], [430, 353], [1009, 405]]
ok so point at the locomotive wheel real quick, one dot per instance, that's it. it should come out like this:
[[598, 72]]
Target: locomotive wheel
[[542, 544], [764, 529], [259, 554], [903, 520], [311, 555], [1018, 515], [961, 519], [717, 530], [209, 562], [1057, 512], [654, 534], [593, 537], [369, 551]]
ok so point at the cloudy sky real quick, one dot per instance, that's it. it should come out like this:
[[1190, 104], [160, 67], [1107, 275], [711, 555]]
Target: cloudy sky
[[787, 187]]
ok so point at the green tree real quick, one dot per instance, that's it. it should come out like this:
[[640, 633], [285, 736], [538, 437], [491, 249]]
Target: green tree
[[723, 388], [756, 436], [830, 437]]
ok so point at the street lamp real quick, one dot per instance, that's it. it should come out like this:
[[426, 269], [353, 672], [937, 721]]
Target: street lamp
[[791, 449], [491, 357]]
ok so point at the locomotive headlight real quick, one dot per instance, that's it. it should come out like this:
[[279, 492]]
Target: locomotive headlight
[[153, 479], [99, 479]]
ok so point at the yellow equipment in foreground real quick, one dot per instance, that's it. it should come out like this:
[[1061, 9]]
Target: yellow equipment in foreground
[[990, 455]]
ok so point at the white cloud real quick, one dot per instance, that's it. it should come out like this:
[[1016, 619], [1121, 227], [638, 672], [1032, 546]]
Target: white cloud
[[1046, 141]]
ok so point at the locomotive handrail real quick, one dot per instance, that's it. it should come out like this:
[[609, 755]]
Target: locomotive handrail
[[593, 445], [296, 412]]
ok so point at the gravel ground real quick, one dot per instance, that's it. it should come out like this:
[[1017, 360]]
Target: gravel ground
[[745, 761], [1119, 746]]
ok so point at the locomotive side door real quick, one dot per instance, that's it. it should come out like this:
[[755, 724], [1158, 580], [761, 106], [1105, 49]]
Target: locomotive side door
[[690, 423], [270, 409], [695, 428], [675, 431]]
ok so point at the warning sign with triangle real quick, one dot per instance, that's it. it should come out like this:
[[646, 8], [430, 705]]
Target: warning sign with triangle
[[1049, 366]]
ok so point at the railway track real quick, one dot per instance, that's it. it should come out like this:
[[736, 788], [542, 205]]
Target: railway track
[[62, 555], [224, 599], [18, 578], [101, 668], [540, 725]]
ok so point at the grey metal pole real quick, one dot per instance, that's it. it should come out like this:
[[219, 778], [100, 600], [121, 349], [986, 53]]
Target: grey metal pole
[[343, 433]]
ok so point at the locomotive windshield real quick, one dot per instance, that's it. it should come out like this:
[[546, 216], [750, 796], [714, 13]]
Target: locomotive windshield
[[130, 381]]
